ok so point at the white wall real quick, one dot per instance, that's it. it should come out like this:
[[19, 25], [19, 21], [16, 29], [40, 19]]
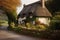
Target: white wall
[[44, 20]]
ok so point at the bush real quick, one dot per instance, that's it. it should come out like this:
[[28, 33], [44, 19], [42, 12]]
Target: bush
[[55, 22]]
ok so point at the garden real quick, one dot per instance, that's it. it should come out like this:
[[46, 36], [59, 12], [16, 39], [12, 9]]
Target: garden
[[40, 30]]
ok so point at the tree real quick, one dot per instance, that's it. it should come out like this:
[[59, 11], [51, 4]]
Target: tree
[[9, 6], [53, 6]]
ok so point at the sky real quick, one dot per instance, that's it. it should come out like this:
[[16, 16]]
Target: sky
[[26, 2]]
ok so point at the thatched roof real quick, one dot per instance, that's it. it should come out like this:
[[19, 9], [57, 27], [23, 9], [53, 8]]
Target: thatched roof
[[36, 9], [42, 12]]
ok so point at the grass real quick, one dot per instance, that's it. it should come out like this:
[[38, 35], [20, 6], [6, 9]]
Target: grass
[[32, 30], [35, 32], [3, 23], [50, 34]]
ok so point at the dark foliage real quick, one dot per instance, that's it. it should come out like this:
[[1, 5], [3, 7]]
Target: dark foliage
[[53, 6]]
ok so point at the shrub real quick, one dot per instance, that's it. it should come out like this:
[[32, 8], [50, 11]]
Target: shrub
[[55, 22], [28, 25]]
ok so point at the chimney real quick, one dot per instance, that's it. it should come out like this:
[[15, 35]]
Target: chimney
[[43, 3]]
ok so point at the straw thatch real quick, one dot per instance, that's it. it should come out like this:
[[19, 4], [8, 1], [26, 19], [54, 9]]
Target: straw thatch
[[36, 9]]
